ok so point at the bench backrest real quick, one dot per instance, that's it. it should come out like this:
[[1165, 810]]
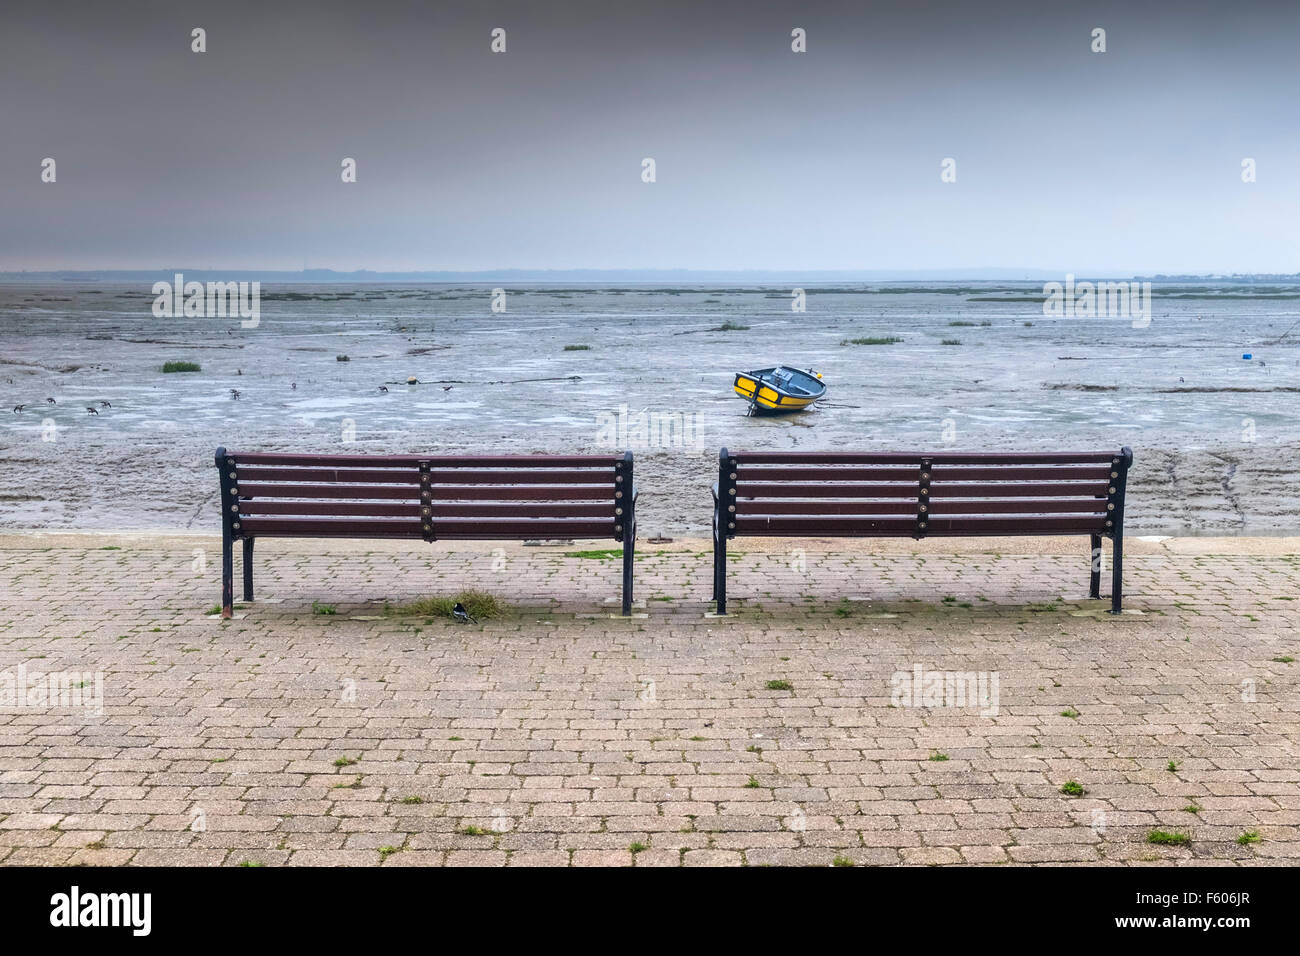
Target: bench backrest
[[918, 494], [420, 496]]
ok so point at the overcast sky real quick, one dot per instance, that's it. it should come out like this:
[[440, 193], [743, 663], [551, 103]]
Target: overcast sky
[[1119, 162]]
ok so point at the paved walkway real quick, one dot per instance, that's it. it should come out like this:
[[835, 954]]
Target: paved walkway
[[558, 734]]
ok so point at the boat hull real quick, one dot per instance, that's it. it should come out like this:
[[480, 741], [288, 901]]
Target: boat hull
[[779, 390]]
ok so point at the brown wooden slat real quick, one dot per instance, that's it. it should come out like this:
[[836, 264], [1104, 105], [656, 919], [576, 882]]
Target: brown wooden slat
[[409, 475], [525, 461], [516, 509], [262, 490], [244, 458], [523, 493], [949, 506], [745, 489], [903, 527], [805, 525], [938, 457], [471, 529], [523, 476], [1020, 524], [331, 527], [861, 507], [911, 473], [1012, 473], [450, 461], [601, 510], [1017, 490], [342, 509], [827, 473], [457, 528], [405, 475], [439, 492], [825, 506]]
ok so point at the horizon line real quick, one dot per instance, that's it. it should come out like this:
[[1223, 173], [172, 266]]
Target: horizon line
[[984, 274]]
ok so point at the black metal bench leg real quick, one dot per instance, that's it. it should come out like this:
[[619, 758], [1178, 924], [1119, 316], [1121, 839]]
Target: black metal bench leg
[[1117, 574], [248, 569], [714, 595], [1094, 586], [227, 574], [720, 573], [629, 556]]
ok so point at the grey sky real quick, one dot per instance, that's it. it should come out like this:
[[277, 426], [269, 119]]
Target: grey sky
[[1122, 162]]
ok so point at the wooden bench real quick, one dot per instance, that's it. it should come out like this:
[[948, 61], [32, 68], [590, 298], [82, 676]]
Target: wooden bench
[[419, 497], [921, 494]]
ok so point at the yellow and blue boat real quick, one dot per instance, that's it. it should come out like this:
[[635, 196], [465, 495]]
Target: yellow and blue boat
[[780, 389]]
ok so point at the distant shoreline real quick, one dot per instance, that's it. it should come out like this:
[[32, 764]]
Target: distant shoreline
[[621, 276]]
